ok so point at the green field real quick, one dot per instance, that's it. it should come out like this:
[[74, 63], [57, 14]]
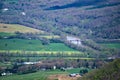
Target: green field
[[41, 75], [5, 64], [111, 45], [74, 70], [31, 45], [2, 34], [7, 30]]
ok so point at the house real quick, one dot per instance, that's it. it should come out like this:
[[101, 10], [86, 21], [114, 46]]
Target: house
[[54, 67], [72, 75], [5, 9], [28, 62], [75, 75], [74, 40], [23, 13], [5, 74]]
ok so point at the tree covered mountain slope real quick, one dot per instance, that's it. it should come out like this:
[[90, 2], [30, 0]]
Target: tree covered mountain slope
[[82, 18], [108, 72]]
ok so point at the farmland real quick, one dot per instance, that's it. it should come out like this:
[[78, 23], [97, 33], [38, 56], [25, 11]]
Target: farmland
[[31, 45], [12, 28], [50, 36], [40, 75], [16, 44], [76, 70], [43, 75], [3, 34], [111, 45], [50, 39]]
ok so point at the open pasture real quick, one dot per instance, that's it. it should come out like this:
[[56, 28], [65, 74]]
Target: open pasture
[[31, 45]]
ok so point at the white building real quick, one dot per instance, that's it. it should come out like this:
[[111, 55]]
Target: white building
[[23, 13], [5, 9], [74, 40]]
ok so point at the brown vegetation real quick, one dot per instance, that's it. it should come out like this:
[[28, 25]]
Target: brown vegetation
[[62, 77]]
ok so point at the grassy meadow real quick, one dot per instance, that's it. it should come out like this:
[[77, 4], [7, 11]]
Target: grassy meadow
[[74, 70], [31, 45]]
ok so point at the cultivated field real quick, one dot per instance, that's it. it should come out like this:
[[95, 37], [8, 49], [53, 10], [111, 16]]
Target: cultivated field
[[50, 36], [31, 45], [3, 34], [62, 77], [111, 45], [12, 28]]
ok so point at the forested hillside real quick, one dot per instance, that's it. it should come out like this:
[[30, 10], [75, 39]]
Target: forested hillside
[[82, 18], [108, 72]]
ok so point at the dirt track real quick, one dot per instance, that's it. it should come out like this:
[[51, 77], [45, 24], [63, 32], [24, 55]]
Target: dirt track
[[62, 77]]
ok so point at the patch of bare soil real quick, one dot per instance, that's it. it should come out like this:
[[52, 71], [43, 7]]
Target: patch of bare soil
[[62, 77]]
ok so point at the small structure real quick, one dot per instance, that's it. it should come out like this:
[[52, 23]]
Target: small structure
[[63, 69], [111, 58], [43, 69], [6, 74], [5, 37], [74, 40], [54, 67], [28, 62], [5, 9], [68, 68], [23, 13], [3, 74], [75, 75]]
